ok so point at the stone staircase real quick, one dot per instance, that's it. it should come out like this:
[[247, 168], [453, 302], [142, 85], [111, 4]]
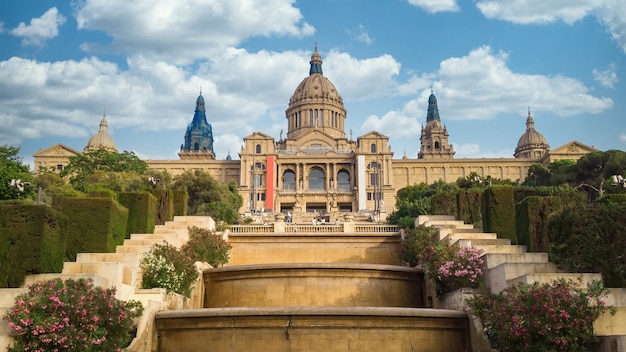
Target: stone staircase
[[506, 265], [122, 270]]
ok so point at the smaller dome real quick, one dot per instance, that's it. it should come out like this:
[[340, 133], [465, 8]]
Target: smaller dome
[[102, 139], [531, 144]]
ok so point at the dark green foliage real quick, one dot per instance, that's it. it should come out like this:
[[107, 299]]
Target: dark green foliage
[[94, 225], [180, 203], [165, 205], [613, 198], [499, 212], [141, 212], [532, 216], [31, 241], [469, 206], [416, 200], [206, 246], [591, 238], [414, 242], [444, 203], [209, 197], [11, 168], [85, 165]]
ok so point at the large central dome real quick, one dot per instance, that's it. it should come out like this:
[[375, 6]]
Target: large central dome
[[532, 144], [315, 104]]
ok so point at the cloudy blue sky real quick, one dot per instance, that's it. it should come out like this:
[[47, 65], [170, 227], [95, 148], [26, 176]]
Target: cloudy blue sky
[[144, 62]]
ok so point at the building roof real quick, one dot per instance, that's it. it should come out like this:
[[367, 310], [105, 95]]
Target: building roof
[[102, 139]]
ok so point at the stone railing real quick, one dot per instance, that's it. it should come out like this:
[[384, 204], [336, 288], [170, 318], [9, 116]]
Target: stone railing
[[282, 227]]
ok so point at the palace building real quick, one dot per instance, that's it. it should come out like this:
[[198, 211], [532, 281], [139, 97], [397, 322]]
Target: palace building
[[316, 167]]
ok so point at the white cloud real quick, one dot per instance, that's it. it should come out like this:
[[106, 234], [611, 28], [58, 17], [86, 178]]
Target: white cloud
[[434, 6], [537, 11], [622, 137], [40, 29], [187, 30], [481, 86], [395, 123], [361, 35], [611, 13], [608, 77], [361, 79], [474, 151], [226, 144]]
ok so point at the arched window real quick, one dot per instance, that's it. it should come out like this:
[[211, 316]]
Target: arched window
[[343, 180], [436, 145], [316, 179], [289, 180], [373, 148], [196, 146], [258, 149]]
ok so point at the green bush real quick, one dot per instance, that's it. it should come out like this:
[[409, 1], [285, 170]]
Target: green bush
[[540, 317], [208, 247], [94, 224], [141, 212], [499, 212], [532, 216], [444, 203], [71, 315], [469, 206], [591, 238], [32, 240], [167, 267]]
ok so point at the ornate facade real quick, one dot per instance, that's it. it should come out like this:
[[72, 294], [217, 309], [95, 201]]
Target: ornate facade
[[316, 167]]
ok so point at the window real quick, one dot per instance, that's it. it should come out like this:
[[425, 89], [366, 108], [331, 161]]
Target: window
[[374, 177], [258, 149], [373, 148], [196, 146], [289, 180], [258, 180], [59, 167], [316, 179], [436, 145], [343, 180]]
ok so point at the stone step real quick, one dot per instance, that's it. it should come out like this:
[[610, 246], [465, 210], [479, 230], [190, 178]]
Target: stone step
[[143, 242], [97, 279], [453, 237], [7, 297], [482, 242], [160, 229], [117, 272], [501, 249], [582, 278], [494, 259], [421, 219], [132, 249], [497, 278], [169, 237], [130, 259]]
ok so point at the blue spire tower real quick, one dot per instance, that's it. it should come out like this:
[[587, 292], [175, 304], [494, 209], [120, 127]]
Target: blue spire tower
[[199, 135]]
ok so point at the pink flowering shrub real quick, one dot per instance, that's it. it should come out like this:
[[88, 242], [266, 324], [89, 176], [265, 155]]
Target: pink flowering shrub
[[541, 317], [449, 266], [71, 315]]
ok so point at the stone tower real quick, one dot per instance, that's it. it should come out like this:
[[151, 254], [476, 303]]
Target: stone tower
[[434, 138], [199, 136]]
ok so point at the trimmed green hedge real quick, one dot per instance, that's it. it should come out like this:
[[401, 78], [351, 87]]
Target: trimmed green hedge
[[499, 212], [444, 203], [532, 216], [31, 241], [165, 205], [95, 225], [469, 206], [180, 203], [142, 208]]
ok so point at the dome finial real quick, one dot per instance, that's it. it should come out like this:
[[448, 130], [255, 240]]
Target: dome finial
[[316, 62], [200, 90]]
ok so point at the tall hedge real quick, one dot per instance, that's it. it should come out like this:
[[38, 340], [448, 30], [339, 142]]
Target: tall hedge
[[499, 212], [531, 219], [142, 209], [165, 205], [180, 203], [94, 225], [469, 206], [31, 241], [443, 203]]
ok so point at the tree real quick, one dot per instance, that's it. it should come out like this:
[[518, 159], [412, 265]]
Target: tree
[[594, 169], [209, 197], [415, 200], [84, 165], [12, 168]]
